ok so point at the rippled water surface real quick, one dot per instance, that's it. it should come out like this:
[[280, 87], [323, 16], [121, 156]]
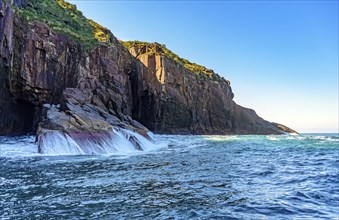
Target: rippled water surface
[[197, 177]]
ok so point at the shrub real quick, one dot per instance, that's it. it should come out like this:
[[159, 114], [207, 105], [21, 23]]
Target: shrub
[[63, 17]]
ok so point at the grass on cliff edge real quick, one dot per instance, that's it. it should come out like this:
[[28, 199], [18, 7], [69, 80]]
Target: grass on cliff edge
[[151, 48], [63, 17]]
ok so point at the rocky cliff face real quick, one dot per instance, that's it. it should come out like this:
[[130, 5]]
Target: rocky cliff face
[[47, 63], [16, 114], [51, 83], [173, 99], [50, 79]]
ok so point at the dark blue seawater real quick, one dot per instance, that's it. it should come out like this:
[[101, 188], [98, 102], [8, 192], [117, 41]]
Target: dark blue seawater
[[194, 177]]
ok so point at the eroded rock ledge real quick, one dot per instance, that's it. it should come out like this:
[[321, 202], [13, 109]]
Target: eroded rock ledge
[[85, 123]]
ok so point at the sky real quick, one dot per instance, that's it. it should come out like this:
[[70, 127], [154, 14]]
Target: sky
[[280, 56]]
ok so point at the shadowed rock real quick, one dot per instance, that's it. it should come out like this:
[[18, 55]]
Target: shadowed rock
[[173, 99]]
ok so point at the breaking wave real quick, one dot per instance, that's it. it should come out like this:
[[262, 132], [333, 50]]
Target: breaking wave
[[53, 143]]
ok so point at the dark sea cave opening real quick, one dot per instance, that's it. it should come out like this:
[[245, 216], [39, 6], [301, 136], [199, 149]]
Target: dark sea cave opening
[[20, 118]]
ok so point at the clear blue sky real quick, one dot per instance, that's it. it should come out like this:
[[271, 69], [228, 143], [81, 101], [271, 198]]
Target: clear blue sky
[[280, 56]]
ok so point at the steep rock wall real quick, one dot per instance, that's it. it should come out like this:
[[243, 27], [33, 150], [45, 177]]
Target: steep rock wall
[[16, 114], [172, 99], [37, 65], [46, 63]]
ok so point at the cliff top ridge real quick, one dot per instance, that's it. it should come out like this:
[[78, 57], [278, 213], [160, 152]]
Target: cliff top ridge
[[63, 17], [157, 48]]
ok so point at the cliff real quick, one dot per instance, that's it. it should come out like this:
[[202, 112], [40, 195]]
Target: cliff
[[62, 72], [176, 96]]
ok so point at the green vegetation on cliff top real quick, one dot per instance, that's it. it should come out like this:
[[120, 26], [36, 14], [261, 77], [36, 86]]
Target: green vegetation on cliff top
[[156, 48], [63, 17]]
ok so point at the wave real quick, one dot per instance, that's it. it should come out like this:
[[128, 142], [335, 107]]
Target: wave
[[117, 141], [56, 143], [18, 146], [122, 142], [218, 138]]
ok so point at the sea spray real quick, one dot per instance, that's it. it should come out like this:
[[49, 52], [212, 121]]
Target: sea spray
[[56, 142], [116, 141]]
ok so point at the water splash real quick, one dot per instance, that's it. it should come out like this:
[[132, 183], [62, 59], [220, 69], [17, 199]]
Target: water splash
[[56, 142], [117, 141], [20, 146]]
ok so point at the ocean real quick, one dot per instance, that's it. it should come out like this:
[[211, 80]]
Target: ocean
[[177, 177]]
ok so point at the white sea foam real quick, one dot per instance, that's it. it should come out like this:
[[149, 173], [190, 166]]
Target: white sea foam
[[271, 138], [220, 137], [123, 143], [18, 146], [117, 142], [58, 143], [54, 143]]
